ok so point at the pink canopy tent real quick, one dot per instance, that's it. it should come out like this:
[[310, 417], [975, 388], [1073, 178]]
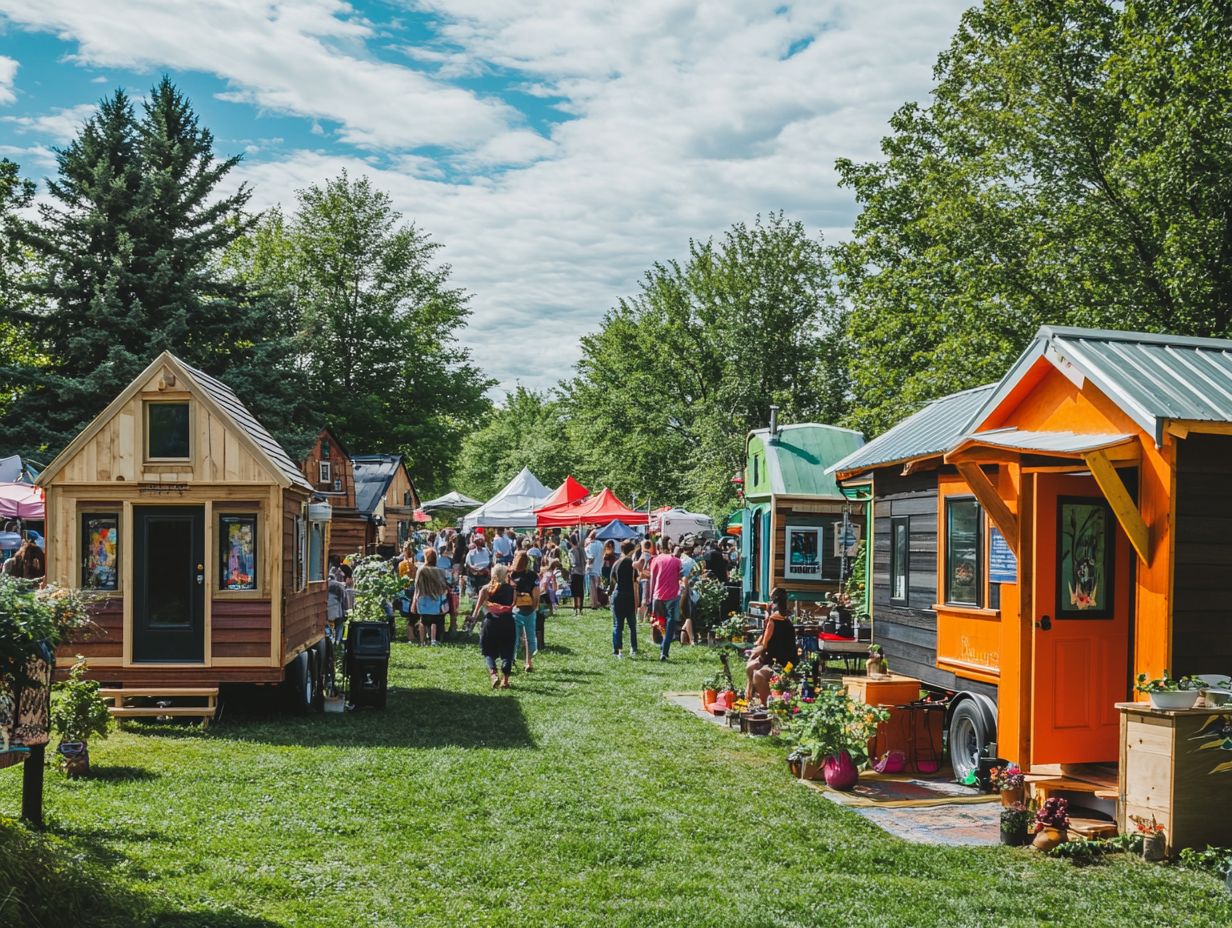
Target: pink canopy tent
[[568, 492], [599, 509], [21, 501]]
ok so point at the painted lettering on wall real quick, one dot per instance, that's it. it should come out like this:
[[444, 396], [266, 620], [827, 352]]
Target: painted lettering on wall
[[973, 653]]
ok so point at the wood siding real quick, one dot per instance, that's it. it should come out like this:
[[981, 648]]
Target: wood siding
[[809, 513], [105, 642], [907, 632], [1202, 583], [241, 628], [348, 534], [340, 466], [303, 611]]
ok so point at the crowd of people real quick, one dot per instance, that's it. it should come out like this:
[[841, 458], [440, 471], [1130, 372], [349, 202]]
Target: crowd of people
[[513, 583]]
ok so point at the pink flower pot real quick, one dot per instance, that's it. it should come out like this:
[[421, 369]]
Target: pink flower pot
[[840, 771]]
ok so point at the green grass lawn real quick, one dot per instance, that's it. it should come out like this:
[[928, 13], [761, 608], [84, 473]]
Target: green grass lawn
[[581, 797]]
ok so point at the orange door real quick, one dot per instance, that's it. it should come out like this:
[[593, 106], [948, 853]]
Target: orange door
[[1081, 635]]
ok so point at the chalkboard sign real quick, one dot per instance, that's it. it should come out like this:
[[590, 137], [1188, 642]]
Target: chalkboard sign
[[1002, 565]]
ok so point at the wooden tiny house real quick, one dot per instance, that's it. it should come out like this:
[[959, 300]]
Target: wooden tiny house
[[386, 497], [1081, 511], [194, 528], [793, 505], [328, 466]]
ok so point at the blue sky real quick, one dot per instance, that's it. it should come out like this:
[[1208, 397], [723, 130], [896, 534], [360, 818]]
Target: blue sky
[[556, 149]]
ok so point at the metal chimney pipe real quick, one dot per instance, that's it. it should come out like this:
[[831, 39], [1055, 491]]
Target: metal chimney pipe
[[774, 422]]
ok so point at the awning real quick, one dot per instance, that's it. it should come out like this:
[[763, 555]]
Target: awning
[[1048, 444]]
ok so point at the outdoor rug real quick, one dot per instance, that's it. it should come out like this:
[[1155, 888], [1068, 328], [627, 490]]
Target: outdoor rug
[[901, 791]]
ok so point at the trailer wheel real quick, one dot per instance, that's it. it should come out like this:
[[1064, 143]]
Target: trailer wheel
[[969, 736], [302, 684]]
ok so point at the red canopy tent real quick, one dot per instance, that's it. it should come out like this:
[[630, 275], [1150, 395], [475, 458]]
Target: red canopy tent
[[568, 492], [597, 510]]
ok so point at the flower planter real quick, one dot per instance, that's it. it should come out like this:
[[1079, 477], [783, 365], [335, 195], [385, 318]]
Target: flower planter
[[76, 758], [1011, 796], [875, 667], [335, 704], [1048, 837], [755, 723], [1183, 699], [708, 696], [840, 771], [1014, 837], [1153, 846], [795, 764]]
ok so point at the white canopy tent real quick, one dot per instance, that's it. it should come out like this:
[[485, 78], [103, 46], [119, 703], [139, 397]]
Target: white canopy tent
[[512, 507]]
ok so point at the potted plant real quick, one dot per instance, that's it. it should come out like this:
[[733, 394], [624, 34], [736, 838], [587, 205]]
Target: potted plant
[[1010, 782], [77, 712], [710, 689], [1014, 821], [1167, 693], [834, 730], [1216, 694], [875, 666], [1051, 824], [1154, 843]]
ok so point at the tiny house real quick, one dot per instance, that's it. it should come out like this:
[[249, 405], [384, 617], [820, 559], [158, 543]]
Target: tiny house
[[799, 529], [386, 498], [328, 466], [195, 530], [1082, 512]]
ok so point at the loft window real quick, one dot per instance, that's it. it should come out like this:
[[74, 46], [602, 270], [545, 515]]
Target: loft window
[[900, 558], [964, 573], [756, 477], [325, 448], [323, 476], [406, 498], [166, 430]]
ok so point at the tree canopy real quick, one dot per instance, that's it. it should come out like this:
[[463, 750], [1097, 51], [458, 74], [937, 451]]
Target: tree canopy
[[1073, 167]]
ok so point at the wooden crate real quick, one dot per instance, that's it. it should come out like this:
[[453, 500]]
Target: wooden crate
[[1169, 768]]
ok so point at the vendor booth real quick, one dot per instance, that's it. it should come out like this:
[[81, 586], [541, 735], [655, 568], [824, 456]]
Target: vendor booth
[[1083, 519], [801, 531], [676, 523], [599, 509], [194, 528], [512, 507]]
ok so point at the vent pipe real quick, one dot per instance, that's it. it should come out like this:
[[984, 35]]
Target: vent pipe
[[774, 423]]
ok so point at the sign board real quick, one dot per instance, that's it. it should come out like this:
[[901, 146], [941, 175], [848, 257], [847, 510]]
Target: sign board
[[803, 560], [1002, 564]]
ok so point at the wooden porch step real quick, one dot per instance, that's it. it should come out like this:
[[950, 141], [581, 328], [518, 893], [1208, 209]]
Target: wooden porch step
[[1043, 786], [119, 710], [1092, 827]]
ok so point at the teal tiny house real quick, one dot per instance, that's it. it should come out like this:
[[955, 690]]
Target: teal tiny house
[[799, 529]]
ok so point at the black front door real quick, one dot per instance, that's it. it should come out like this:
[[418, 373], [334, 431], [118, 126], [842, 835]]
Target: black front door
[[169, 584]]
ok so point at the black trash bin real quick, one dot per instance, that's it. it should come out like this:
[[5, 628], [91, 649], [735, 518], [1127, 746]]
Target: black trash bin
[[367, 663]]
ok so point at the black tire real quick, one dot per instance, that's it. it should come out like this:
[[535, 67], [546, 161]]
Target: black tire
[[301, 683], [325, 665], [968, 737]]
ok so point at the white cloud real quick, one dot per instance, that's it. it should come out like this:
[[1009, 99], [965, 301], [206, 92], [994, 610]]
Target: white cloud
[[8, 73], [60, 125], [305, 58], [684, 118]]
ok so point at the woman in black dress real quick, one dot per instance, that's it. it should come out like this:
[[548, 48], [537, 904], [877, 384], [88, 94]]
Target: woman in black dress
[[498, 633], [626, 597], [775, 649]]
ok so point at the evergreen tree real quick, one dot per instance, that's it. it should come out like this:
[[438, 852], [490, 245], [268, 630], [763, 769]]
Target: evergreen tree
[[127, 252]]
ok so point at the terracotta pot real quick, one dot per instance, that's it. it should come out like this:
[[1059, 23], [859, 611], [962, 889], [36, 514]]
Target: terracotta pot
[[1011, 796], [726, 699], [840, 771], [1153, 846], [1048, 838], [708, 696]]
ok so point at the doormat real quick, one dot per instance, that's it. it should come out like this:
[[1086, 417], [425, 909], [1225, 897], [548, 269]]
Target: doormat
[[901, 791]]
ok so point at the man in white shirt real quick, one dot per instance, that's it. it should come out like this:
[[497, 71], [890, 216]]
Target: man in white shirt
[[594, 567], [503, 547]]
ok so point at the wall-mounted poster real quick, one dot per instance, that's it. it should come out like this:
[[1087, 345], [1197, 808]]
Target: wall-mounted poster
[[803, 561], [846, 543], [237, 560], [1085, 558], [100, 542]]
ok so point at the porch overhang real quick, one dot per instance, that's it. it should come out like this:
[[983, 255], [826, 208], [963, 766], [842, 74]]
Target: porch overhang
[[1100, 454]]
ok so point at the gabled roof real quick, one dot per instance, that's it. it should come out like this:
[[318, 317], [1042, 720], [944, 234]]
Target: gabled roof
[[798, 460], [1151, 378], [326, 430], [373, 475], [228, 402], [218, 397], [931, 431]]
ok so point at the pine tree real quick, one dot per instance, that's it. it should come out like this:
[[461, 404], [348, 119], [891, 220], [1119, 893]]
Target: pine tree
[[129, 249]]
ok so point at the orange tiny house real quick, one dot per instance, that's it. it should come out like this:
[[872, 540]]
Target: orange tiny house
[[1072, 526], [193, 527]]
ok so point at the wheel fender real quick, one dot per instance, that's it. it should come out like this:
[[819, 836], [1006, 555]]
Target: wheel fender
[[987, 709]]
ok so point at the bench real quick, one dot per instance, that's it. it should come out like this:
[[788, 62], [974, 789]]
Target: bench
[[119, 710]]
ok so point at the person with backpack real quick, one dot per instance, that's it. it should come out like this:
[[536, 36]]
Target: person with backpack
[[431, 600], [525, 607]]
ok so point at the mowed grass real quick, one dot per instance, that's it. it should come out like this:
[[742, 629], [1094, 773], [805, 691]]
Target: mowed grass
[[579, 798]]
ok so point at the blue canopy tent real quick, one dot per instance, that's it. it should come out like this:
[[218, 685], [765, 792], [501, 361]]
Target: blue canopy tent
[[616, 531]]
